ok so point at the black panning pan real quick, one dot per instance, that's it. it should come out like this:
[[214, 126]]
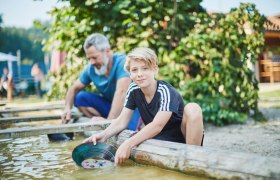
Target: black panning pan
[[91, 156], [61, 136]]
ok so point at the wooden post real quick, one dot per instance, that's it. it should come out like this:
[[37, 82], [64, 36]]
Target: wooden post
[[19, 64], [201, 161]]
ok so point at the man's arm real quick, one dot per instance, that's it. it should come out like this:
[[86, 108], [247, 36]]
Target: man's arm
[[69, 100], [119, 97]]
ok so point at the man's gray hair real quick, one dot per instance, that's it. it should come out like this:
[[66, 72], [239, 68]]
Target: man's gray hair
[[99, 41]]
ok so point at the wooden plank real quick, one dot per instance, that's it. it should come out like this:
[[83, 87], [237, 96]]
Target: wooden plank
[[201, 161], [28, 118], [36, 104], [61, 128], [16, 110]]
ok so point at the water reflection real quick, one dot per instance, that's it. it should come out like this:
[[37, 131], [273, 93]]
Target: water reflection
[[37, 158]]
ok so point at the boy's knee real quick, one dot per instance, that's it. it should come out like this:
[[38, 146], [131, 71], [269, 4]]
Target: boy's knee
[[193, 107], [193, 110]]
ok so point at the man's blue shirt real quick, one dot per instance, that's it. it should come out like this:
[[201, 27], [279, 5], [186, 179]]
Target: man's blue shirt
[[105, 85]]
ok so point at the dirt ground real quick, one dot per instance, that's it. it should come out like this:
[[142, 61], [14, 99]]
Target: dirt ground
[[262, 138]]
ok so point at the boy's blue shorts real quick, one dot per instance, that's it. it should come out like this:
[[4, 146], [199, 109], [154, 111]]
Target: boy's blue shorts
[[103, 106]]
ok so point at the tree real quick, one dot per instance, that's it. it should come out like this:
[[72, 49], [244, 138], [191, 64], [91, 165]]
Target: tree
[[204, 56], [127, 23], [27, 40], [1, 20], [219, 52]]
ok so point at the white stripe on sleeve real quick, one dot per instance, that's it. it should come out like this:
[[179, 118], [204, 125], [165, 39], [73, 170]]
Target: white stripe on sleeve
[[165, 97], [131, 87]]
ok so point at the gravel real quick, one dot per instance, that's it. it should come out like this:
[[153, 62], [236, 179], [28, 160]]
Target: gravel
[[261, 138]]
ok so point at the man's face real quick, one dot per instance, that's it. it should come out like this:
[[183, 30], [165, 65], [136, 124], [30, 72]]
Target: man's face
[[99, 59], [95, 57]]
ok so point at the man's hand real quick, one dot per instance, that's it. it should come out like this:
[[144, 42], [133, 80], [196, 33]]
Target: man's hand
[[66, 115], [123, 153], [69, 100], [95, 138]]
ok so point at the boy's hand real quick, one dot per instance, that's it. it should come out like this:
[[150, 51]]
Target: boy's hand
[[95, 138], [122, 153], [97, 118]]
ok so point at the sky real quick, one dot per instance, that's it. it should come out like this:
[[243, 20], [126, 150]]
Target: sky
[[22, 13]]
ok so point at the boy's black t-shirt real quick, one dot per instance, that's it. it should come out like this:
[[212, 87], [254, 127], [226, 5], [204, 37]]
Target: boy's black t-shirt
[[166, 98]]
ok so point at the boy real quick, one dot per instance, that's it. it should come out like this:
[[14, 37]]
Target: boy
[[161, 107]]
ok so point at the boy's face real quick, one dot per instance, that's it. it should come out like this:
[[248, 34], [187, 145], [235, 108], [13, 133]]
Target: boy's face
[[141, 74]]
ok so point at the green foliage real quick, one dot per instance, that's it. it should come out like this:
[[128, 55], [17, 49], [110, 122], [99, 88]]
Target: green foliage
[[61, 76], [127, 23], [1, 20], [219, 51], [205, 57]]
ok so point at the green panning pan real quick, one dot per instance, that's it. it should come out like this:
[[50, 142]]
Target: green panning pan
[[91, 156]]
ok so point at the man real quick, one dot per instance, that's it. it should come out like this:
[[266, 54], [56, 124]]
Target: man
[[106, 71]]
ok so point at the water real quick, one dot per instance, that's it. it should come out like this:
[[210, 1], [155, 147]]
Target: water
[[38, 158]]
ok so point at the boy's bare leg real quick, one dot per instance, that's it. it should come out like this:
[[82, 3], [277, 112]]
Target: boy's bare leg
[[192, 124]]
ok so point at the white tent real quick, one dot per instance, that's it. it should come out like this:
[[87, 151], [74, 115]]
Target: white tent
[[7, 57]]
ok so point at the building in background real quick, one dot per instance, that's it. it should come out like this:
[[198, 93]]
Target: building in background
[[268, 68]]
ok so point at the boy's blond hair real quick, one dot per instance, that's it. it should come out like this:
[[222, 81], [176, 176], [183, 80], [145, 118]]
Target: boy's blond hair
[[141, 54]]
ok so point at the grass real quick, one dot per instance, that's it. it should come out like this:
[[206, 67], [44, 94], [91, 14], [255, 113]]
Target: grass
[[270, 94], [270, 99]]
